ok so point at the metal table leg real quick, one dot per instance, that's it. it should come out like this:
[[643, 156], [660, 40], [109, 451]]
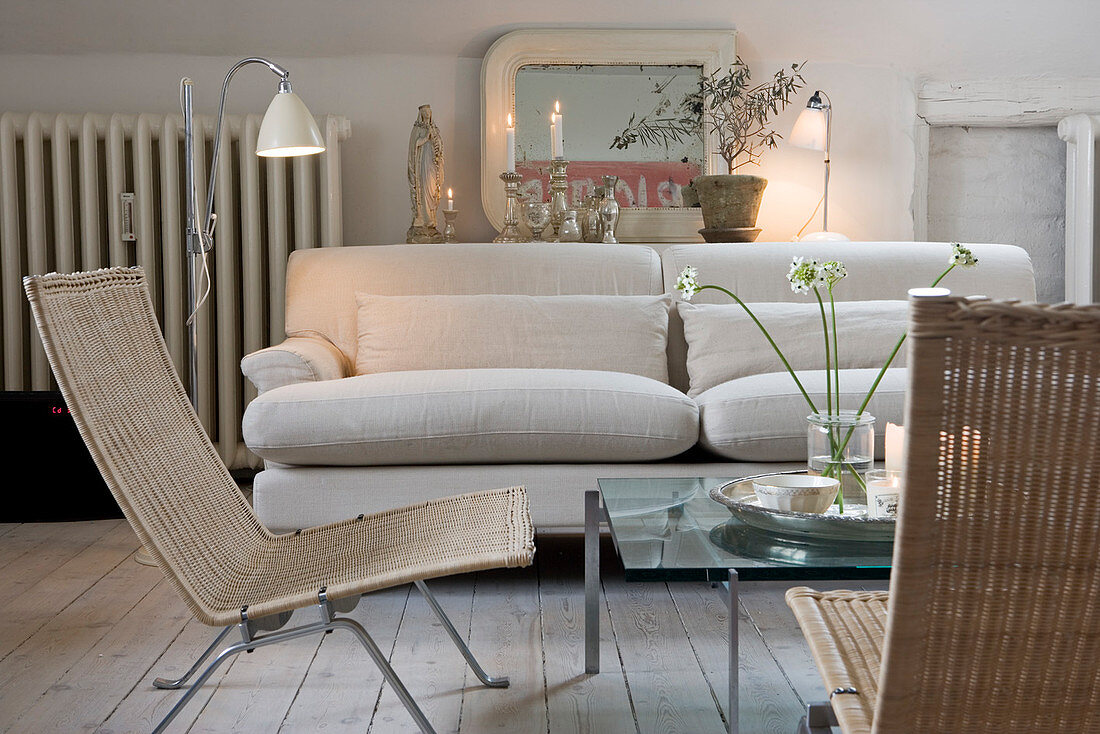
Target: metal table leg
[[734, 655], [592, 515]]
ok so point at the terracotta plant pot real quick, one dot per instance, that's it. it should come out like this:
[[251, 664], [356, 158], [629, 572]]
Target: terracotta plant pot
[[730, 205]]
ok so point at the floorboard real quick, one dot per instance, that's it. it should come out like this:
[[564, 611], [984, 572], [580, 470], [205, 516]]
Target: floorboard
[[664, 679], [50, 595], [767, 702], [34, 550], [87, 629], [506, 636], [340, 691], [576, 701], [429, 664]]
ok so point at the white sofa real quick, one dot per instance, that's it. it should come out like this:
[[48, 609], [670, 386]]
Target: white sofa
[[473, 393]]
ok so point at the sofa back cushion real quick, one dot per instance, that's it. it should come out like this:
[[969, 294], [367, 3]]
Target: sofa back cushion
[[608, 333], [723, 343], [876, 271], [321, 283]]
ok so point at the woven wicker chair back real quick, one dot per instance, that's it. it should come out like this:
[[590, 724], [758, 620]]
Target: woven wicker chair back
[[102, 339], [994, 609]]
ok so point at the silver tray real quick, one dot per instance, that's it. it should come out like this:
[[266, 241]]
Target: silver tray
[[853, 525]]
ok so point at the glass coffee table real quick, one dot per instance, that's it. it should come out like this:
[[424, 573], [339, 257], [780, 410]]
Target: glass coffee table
[[670, 529]]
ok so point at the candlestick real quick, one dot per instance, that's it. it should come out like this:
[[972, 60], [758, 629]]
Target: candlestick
[[449, 234], [558, 202], [510, 142], [895, 447], [450, 200], [510, 232], [558, 131], [884, 488]]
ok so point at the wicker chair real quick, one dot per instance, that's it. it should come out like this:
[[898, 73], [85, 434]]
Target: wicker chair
[[992, 622], [103, 342]]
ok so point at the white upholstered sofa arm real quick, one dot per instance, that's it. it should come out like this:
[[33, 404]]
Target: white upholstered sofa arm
[[298, 359]]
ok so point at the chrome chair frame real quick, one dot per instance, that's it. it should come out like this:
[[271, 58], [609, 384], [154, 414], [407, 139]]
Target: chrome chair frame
[[327, 610]]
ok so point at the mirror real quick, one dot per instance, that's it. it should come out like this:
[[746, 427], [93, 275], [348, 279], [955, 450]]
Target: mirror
[[601, 106], [601, 78]]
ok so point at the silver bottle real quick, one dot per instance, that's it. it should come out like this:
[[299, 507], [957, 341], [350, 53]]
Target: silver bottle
[[609, 210]]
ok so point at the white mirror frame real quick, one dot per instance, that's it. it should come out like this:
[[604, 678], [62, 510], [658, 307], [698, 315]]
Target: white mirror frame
[[710, 49]]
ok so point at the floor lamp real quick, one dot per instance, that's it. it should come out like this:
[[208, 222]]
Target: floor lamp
[[288, 129], [813, 130]]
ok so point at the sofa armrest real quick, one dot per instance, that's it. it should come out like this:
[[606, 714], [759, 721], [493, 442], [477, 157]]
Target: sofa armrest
[[298, 359]]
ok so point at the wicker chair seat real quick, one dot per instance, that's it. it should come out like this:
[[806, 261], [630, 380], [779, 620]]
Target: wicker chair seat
[[372, 552], [845, 632]]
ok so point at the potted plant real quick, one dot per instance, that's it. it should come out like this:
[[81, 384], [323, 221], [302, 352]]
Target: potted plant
[[738, 115]]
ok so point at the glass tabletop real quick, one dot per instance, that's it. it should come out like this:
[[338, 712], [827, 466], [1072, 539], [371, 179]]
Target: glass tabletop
[[669, 529]]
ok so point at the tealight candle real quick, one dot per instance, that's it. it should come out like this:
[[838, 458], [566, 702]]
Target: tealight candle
[[884, 488]]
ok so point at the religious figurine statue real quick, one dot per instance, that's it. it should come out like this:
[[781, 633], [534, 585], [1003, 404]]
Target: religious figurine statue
[[425, 177]]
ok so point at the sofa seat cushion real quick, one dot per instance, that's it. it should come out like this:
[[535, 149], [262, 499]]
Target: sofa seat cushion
[[472, 416], [763, 417]]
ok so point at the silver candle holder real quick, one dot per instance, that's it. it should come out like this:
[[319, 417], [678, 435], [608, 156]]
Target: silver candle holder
[[449, 235], [559, 204], [510, 231]]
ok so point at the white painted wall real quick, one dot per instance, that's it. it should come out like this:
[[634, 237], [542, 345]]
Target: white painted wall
[[376, 61], [998, 184]]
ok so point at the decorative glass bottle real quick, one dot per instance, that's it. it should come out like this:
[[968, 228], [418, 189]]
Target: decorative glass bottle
[[609, 209]]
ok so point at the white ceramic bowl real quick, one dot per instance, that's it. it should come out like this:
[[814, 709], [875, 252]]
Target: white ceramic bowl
[[796, 492]]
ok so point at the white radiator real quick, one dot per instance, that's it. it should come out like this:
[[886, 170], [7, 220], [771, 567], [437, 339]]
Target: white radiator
[[86, 191], [1082, 208]]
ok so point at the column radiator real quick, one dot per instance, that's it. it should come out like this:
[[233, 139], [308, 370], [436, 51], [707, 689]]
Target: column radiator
[[1082, 208], [86, 191]]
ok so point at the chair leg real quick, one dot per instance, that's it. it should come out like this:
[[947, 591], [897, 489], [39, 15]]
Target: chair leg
[[819, 719], [329, 623], [224, 655], [387, 671], [500, 681], [172, 685]]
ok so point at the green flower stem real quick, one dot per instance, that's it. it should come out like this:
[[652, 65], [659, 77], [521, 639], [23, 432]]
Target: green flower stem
[[828, 367], [882, 372], [836, 350], [771, 341]]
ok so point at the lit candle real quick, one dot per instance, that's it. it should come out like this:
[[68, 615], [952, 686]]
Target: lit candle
[[450, 200], [884, 489], [510, 142], [559, 136], [553, 138], [895, 447]]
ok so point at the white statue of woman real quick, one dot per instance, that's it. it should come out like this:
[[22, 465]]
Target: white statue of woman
[[425, 177]]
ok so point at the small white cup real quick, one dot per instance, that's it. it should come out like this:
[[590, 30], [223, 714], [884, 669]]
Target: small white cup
[[796, 492]]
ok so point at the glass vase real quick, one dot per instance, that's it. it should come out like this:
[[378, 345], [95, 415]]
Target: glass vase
[[842, 445]]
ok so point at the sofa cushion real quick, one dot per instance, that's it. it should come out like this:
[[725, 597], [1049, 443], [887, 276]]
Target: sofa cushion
[[472, 416], [432, 332], [763, 417], [725, 344]]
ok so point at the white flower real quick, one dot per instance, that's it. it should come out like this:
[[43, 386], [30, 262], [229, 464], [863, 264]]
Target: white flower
[[962, 257], [688, 283], [833, 272], [804, 275]]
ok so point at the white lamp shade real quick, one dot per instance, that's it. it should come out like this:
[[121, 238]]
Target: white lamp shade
[[810, 130], [288, 129]]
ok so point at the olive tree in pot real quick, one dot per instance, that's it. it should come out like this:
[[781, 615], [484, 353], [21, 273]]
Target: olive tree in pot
[[737, 115]]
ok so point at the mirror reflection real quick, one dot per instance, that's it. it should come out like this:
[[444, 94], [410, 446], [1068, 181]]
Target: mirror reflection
[[607, 116]]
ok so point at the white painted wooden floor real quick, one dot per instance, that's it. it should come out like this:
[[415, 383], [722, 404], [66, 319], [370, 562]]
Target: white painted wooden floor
[[84, 630]]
